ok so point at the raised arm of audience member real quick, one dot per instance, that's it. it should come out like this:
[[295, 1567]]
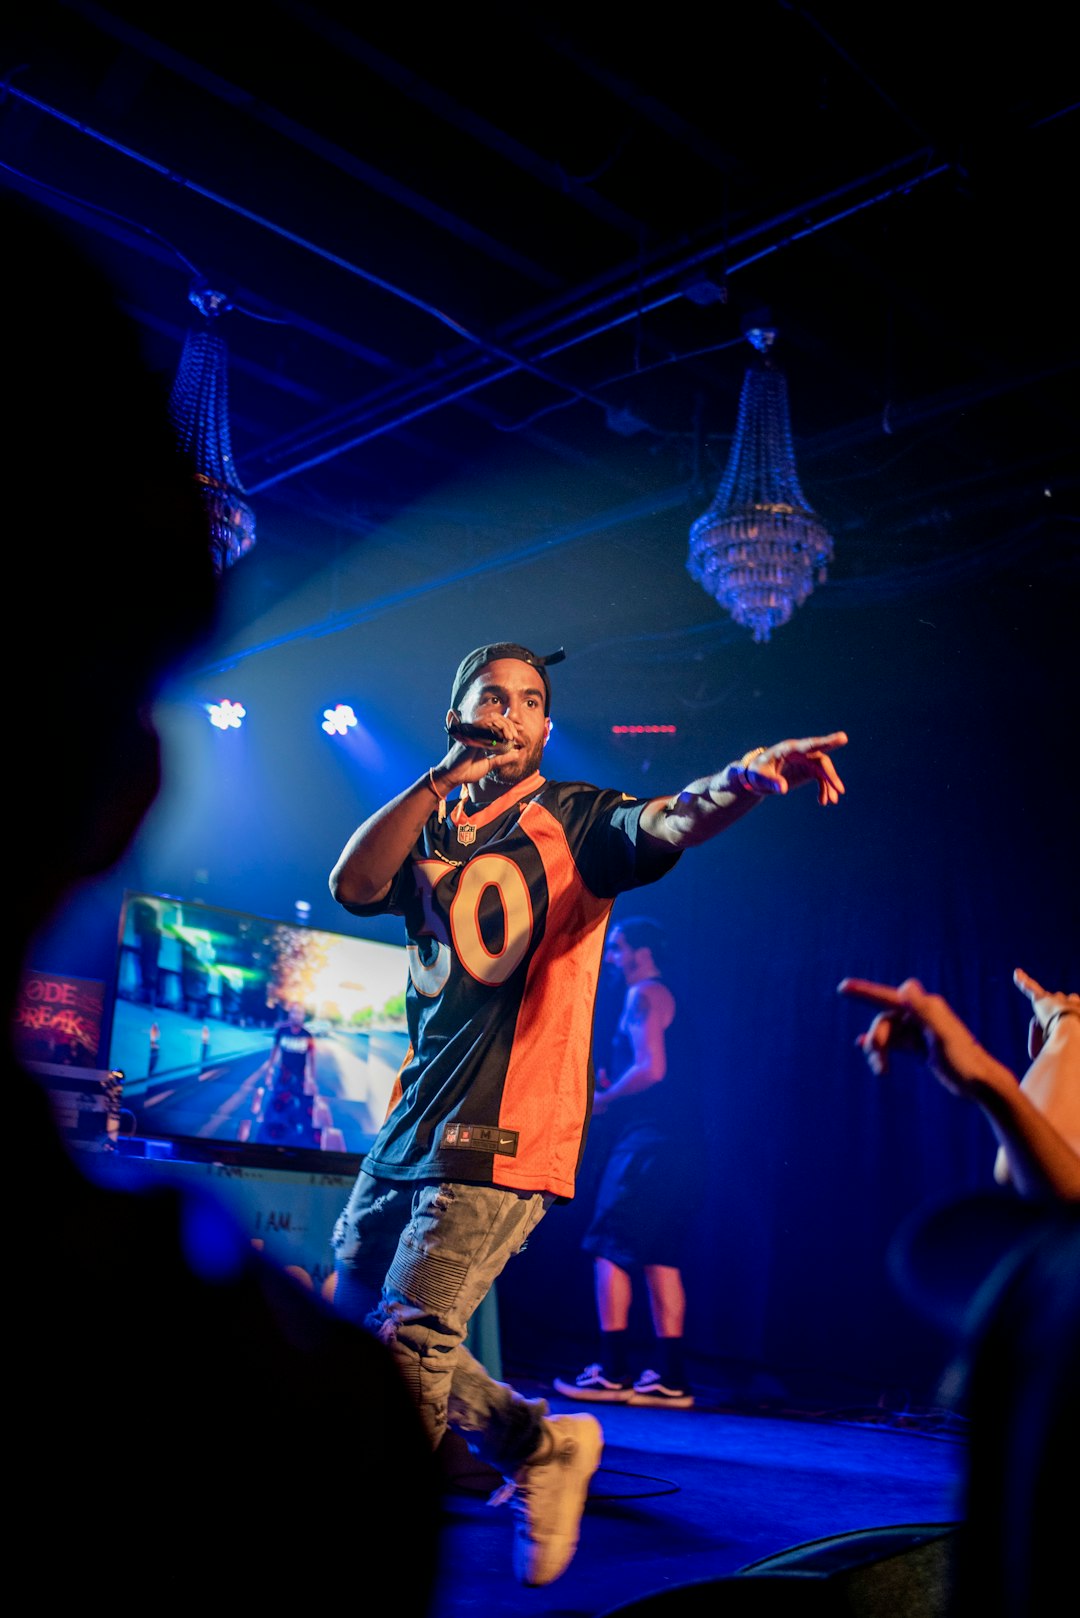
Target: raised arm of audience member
[[1041, 1159], [1052, 1082]]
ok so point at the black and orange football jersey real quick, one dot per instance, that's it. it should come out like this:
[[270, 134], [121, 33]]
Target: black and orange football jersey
[[506, 909]]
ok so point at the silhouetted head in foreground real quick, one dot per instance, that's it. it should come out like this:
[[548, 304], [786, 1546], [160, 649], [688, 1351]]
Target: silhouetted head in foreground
[[184, 1386]]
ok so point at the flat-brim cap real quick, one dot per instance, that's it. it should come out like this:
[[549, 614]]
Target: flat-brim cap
[[470, 666]]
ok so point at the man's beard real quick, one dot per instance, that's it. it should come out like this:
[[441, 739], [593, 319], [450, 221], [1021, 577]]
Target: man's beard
[[523, 764]]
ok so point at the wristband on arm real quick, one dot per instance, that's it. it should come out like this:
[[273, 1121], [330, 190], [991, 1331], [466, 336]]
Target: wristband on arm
[[1062, 1011], [737, 776], [442, 796]]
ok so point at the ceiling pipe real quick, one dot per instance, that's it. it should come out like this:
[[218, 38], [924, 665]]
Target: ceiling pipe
[[406, 414], [634, 283]]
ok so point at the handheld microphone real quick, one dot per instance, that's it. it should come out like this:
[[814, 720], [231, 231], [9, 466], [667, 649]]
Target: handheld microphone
[[459, 730]]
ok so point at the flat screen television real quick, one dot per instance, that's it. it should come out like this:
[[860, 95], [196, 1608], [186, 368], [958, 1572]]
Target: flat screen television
[[197, 996]]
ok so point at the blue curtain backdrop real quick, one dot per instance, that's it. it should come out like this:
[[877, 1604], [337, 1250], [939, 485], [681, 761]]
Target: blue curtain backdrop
[[952, 858]]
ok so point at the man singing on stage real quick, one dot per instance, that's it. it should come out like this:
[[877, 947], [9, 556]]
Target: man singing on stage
[[505, 896]]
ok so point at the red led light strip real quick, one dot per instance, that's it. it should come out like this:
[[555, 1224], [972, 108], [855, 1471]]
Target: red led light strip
[[643, 730]]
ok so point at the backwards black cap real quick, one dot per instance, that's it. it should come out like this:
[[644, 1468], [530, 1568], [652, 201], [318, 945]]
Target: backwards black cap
[[471, 665]]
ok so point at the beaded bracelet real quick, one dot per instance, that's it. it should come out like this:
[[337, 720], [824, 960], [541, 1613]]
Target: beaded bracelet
[[738, 775]]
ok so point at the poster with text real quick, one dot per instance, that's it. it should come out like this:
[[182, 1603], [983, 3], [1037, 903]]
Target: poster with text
[[58, 1019]]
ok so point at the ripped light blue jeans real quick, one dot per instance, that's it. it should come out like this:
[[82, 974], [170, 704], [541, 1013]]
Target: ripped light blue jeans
[[413, 1260]]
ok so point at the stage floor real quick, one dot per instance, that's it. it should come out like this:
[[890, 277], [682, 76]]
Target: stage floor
[[684, 1496]]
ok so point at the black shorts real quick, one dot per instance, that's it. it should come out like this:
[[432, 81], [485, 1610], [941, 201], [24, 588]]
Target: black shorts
[[642, 1209]]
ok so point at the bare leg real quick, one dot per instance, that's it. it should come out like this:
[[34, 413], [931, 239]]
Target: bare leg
[[667, 1299], [667, 1304], [613, 1293]]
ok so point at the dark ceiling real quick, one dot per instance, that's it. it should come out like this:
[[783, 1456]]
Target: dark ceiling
[[490, 271]]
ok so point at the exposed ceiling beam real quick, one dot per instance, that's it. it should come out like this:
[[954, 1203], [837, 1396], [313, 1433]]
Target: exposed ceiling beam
[[649, 107], [440, 385], [452, 111], [327, 151]]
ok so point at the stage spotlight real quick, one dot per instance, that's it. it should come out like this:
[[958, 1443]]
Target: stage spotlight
[[226, 715], [338, 721]]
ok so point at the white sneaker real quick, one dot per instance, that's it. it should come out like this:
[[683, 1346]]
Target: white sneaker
[[651, 1389], [595, 1383], [549, 1497]]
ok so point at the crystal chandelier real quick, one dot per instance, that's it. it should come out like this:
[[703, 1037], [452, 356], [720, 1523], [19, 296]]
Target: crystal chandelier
[[199, 408], [759, 548]]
